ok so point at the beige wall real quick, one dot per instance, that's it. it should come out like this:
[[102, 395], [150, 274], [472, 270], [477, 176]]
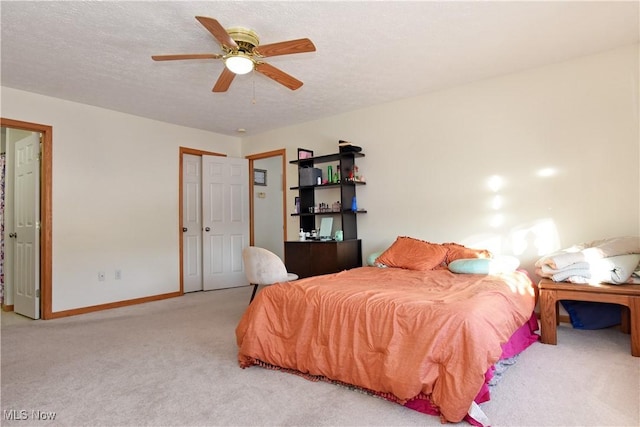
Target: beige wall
[[115, 197], [562, 142], [267, 205], [429, 163]]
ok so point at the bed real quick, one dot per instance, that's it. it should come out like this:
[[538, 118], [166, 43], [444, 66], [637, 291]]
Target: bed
[[426, 338]]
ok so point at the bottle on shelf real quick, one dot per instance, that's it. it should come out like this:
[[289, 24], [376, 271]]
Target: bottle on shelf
[[354, 204]]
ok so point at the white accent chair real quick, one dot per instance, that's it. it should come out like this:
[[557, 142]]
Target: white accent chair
[[263, 267]]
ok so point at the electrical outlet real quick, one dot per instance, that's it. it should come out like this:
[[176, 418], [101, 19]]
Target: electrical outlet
[[118, 275], [101, 276]]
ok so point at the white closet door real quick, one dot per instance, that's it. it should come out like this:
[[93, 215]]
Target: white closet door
[[192, 222], [27, 227], [225, 220]]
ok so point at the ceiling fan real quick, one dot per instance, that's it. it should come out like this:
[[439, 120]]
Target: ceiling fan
[[242, 53]]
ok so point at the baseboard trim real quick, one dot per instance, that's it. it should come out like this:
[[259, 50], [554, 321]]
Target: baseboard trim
[[6, 307], [108, 306]]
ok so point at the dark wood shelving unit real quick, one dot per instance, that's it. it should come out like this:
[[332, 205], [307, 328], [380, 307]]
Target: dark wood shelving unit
[[313, 257]]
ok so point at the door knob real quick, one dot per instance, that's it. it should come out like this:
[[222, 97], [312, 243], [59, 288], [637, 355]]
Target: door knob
[[207, 229], [14, 235], [184, 229]]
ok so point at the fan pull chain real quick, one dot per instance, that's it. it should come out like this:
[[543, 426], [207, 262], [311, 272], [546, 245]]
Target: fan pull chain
[[253, 101]]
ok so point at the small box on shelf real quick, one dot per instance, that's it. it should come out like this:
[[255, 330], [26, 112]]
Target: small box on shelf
[[309, 176], [304, 154]]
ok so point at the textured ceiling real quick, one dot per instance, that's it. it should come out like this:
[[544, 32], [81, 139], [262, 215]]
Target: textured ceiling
[[368, 53]]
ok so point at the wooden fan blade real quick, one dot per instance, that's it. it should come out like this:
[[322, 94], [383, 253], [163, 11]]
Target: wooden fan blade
[[278, 75], [224, 81], [285, 48], [218, 32], [186, 56]]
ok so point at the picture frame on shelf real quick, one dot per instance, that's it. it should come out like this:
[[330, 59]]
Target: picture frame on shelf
[[260, 177], [304, 154]]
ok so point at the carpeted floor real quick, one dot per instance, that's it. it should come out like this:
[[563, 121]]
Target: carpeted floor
[[173, 363]]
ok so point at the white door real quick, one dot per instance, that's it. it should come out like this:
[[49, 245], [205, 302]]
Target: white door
[[192, 222], [27, 226], [225, 221]]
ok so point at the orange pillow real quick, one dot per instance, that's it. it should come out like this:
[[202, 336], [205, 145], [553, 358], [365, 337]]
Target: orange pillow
[[457, 251], [413, 254]]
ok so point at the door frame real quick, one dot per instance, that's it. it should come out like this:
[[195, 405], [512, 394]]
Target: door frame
[[46, 211], [195, 152], [281, 152]]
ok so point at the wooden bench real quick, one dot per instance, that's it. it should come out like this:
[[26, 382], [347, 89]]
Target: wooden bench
[[626, 295]]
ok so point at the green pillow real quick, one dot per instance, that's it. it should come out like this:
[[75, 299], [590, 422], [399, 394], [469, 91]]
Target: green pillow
[[470, 266], [371, 260], [500, 264]]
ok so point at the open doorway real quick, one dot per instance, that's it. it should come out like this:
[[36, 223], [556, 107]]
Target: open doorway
[[267, 200], [45, 221]]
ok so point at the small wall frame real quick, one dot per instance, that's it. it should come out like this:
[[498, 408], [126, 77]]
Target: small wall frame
[[259, 177]]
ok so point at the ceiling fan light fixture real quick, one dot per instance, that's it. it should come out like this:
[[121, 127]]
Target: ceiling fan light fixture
[[239, 63], [242, 53]]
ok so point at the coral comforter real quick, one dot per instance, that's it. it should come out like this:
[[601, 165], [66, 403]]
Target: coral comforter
[[390, 330]]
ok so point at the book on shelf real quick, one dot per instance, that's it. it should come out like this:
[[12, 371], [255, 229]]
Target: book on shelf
[[347, 147]]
